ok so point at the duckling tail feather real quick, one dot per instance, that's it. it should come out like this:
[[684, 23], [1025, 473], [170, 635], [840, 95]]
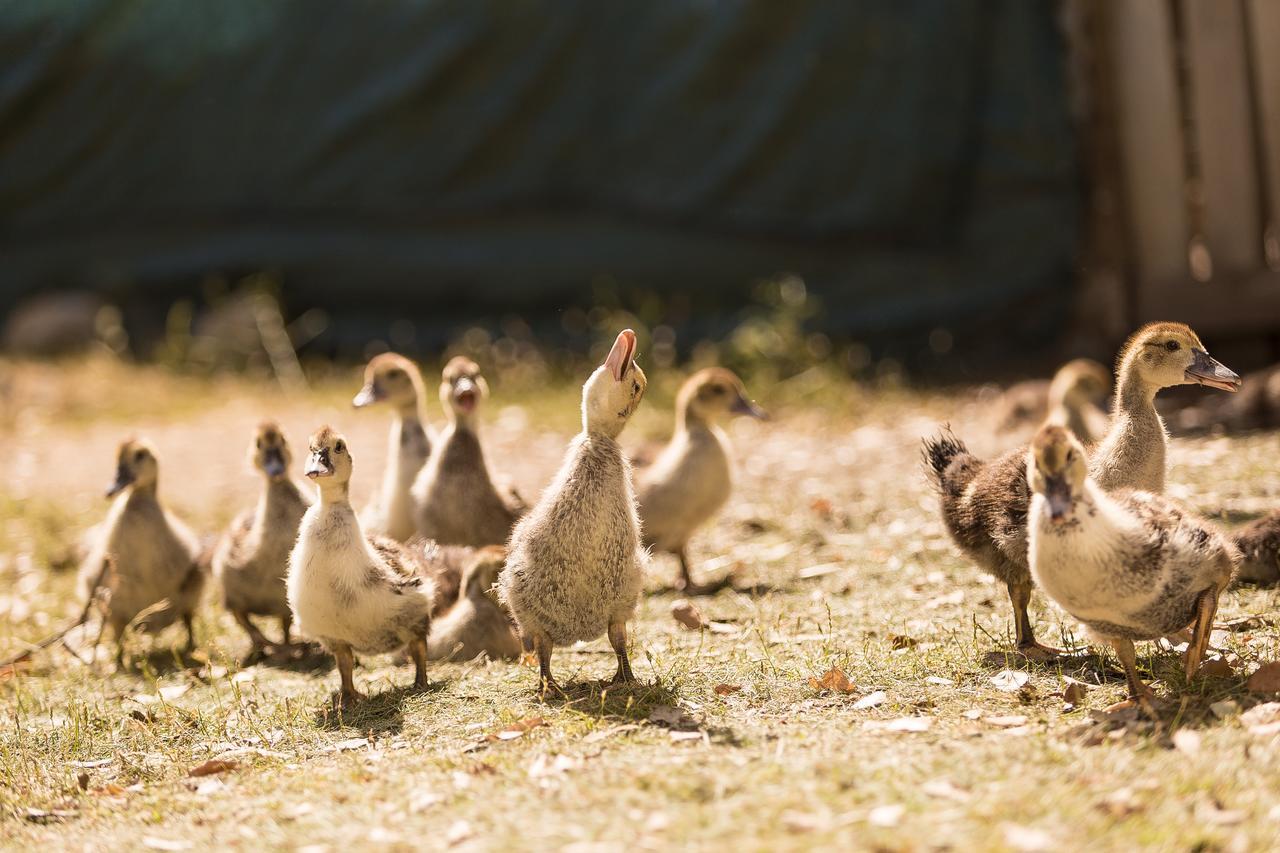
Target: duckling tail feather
[[948, 462]]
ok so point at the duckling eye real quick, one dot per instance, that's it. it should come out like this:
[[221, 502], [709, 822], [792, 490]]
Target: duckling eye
[[139, 456], [340, 447], [395, 373], [1171, 346]]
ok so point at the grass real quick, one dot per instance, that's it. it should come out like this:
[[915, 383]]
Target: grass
[[831, 513]]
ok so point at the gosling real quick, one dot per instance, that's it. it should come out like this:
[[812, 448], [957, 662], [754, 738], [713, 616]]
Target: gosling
[[475, 625], [393, 379]]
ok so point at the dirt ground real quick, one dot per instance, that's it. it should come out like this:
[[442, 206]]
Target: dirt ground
[[939, 739]]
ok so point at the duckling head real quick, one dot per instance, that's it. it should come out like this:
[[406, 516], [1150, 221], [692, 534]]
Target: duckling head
[[1056, 469], [328, 459], [714, 393], [462, 388], [614, 390], [390, 378], [136, 467], [270, 452], [1080, 381], [1160, 355]]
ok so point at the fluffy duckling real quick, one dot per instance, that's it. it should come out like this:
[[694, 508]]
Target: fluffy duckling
[[457, 503], [157, 576], [984, 503], [690, 480], [252, 558], [1131, 565], [351, 592], [1077, 395], [1259, 542], [475, 625], [393, 379], [574, 564]]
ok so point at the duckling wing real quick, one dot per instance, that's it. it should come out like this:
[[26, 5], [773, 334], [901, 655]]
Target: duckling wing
[[235, 550], [443, 565]]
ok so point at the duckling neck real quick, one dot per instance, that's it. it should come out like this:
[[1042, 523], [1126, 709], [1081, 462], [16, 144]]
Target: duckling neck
[[335, 494], [687, 419], [1133, 452]]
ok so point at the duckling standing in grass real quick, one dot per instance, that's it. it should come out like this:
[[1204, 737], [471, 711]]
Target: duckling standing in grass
[[1131, 565], [690, 480], [456, 501], [1259, 542], [475, 624], [984, 503], [252, 558], [156, 576], [574, 565], [393, 379], [352, 593]]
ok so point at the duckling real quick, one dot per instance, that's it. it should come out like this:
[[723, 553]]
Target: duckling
[[1076, 396], [1257, 406], [1129, 564], [1259, 542], [157, 576], [252, 558], [475, 624], [393, 379], [574, 564], [690, 480], [351, 592], [456, 501], [984, 503]]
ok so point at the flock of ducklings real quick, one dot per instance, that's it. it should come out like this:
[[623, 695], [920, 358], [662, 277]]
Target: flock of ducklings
[[446, 564]]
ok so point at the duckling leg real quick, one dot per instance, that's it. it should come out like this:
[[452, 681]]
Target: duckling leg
[[546, 683], [346, 662], [286, 623], [418, 651], [1206, 609], [1028, 647], [618, 639], [1138, 691], [687, 585], [188, 622], [257, 640]]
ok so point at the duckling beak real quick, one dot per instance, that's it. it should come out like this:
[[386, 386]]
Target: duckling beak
[[318, 465], [465, 394], [743, 406], [622, 354], [1206, 370], [368, 395], [1057, 495], [124, 479], [273, 462]]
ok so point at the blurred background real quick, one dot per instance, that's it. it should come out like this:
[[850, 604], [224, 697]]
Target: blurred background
[[936, 189]]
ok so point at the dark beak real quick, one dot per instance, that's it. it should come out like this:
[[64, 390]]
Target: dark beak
[[1058, 495], [273, 462], [1206, 370], [465, 393], [124, 479], [318, 465], [743, 406], [368, 395]]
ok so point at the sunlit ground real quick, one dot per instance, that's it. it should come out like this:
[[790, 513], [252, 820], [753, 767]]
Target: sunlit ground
[[729, 738]]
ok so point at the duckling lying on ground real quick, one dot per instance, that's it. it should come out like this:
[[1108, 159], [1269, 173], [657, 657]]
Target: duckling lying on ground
[[1075, 397], [690, 480], [575, 563], [1257, 406], [1259, 543], [393, 379], [352, 593], [456, 501], [156, 577], [984, 503], [475, 624], [252, 558], [1131, 565]]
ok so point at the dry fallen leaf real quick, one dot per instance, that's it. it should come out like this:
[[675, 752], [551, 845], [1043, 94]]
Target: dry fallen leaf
[[211, 767], [1010, 680], [165, 844], [1265, 679], [972, 714], [871, 700], [1216, 668], [727, 689], [1225, 708], [173, 691], [677, 736], [671, 716], [940, 681], [349, 744], [687, 614], [1007, 721], [901, 724], [1186, 741], [821, 507], [833, 680], [517, 729], [1214, 813], [1073, 694]]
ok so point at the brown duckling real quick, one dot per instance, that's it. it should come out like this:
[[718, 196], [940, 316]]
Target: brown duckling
[[156, 576], [394, 380], [1077, 396], [1259, 542], [690, 480], [575, 564], [1129, 564], [351, 592], [454, 495], [252, 558], [475, 624], [984, 503]]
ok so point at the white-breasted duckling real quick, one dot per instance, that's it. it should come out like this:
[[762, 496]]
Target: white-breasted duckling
[[1259, 543], [475, 624], [984, 502], [455, 499], [351, 592], [1130, 564], [394, 380], [252, 558], [690, 480], [1077, 399], [574, 565], [156, 575]]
